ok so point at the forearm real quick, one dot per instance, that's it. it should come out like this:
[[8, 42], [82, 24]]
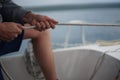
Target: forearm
[[12, 12]]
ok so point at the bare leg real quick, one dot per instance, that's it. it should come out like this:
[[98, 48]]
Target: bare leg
[[43, 52]]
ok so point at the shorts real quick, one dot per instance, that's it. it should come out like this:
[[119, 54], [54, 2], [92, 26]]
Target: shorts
[[12, 46]]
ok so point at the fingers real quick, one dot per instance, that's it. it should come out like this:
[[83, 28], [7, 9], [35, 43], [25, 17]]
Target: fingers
[[19, 30], [47, 25], [15, 28], [38, 26], [8, 37], [52, 25], [51, 20], [10, 31], [42, 26], [41, 22], [20, 26]]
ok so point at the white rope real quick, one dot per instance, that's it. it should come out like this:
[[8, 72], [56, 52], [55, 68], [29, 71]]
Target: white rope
[[90, 24], [30, 27], [108, 43], [82, 24]]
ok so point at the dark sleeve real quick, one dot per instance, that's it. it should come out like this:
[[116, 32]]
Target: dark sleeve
[[11, 12]]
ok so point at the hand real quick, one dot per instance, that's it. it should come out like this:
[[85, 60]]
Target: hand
[[9, 31], [40, 21]]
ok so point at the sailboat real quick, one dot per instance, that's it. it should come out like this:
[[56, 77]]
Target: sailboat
[[99, 61]]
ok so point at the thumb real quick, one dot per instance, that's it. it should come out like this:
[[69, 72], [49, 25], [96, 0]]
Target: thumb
[[20, 26]]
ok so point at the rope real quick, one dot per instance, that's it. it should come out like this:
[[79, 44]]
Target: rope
[[32, 66], [90, 24], [82, 24], [108, 43]]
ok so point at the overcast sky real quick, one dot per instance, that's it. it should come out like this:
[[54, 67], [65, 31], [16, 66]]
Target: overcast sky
[[56, 2]]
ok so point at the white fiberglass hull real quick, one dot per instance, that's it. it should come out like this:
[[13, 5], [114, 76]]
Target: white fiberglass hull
[[71, 64]]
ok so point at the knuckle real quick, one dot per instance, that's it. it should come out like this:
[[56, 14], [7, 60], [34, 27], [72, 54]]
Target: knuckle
[[19, 31]]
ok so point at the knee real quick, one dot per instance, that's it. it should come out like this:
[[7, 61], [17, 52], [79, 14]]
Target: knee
[[42, 35]]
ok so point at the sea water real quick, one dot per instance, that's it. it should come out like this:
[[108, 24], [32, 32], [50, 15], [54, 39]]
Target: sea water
[[92, 34], [92, 15]]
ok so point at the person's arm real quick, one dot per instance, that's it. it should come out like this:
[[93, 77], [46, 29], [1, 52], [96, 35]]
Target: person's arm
[[41, 22], [9, 30], [11, 12]]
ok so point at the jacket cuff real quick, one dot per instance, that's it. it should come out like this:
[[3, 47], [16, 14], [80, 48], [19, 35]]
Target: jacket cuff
[[19, 14]]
